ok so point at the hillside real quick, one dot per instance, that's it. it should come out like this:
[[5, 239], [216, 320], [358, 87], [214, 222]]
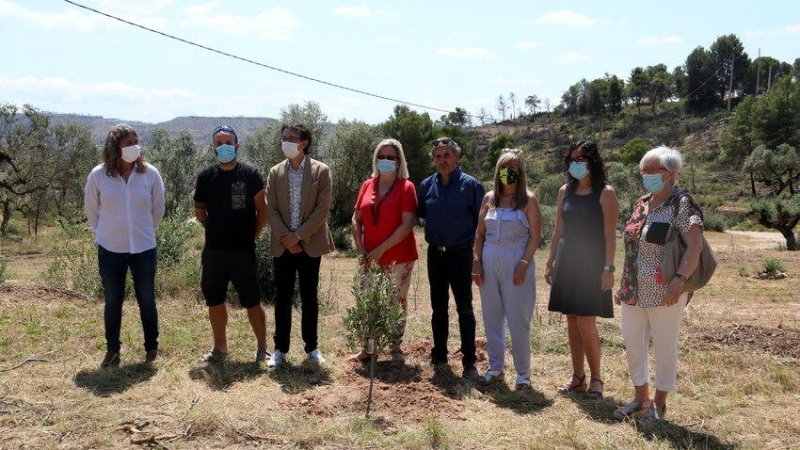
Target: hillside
[[199, 127]]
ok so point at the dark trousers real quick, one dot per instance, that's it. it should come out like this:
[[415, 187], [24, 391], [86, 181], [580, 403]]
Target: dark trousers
[[307, 269], [113, 271], [451, 269]]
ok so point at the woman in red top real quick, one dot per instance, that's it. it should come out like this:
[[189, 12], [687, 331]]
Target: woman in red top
[[383, 222]]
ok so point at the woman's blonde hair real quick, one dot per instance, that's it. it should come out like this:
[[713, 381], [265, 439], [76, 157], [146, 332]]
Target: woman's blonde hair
[[508, 156], [402, 168]]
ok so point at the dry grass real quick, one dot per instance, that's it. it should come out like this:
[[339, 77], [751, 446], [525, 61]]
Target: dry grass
[[739, 382]]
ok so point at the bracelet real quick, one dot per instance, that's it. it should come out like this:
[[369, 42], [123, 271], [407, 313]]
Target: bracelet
[[523, 261]]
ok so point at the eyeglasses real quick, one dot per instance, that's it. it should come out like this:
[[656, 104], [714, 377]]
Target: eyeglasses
[[511, 150], [222, 128], [389, 157], [439, 142]]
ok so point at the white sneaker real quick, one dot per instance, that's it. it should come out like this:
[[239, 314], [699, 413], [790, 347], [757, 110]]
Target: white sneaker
[[316, 356], [277, 359]]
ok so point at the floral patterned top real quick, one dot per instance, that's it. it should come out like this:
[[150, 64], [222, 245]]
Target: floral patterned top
[[642, 283]]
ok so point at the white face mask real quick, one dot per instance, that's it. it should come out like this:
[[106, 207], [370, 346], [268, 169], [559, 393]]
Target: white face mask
[[131, 154], [290, 149]]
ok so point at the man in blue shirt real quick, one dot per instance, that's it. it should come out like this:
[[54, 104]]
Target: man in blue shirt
[[449, 201]]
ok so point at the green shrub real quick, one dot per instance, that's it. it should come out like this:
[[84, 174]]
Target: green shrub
[[73, 262], [773, 265], [715, 222], [377, 314], [342, 238], [2, 271], [548, 223], [547, 189], [265, 268]]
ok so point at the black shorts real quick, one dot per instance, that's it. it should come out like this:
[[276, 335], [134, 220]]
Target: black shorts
[[237, 266]]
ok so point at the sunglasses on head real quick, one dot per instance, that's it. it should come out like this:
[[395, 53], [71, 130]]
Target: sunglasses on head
[[439, 142], [389, 157], [222, 128], [511, 150]]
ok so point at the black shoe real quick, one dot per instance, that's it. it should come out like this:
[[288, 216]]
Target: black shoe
[[110, 360], [470, 373], [151, 356]]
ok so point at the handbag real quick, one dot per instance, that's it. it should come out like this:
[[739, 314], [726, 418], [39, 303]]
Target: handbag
[[674, 249]]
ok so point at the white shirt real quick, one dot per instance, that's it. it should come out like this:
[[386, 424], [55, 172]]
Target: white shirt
[[124, 216], [295, 192]]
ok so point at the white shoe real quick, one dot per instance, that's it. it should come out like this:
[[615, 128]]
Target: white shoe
[[277, 359], [316, 356]]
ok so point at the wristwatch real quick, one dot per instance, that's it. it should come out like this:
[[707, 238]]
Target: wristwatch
[[681, 276], [609, 269]]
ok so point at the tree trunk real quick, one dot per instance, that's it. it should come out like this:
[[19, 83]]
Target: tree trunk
[[753, 184], [791, 243], [6, 216]]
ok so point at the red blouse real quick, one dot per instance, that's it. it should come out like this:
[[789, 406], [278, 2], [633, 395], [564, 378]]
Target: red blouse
[[402, 198]]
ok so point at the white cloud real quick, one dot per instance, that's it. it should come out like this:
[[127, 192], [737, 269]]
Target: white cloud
[[354, 12], [660, 40], [74, 19], [789, 30], [565, 17], [516, 82], [527, 45], [387, 41], [464, 52], [271, 24], [572, 58]]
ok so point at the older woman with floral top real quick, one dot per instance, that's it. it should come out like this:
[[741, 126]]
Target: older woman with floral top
[[651, 305]]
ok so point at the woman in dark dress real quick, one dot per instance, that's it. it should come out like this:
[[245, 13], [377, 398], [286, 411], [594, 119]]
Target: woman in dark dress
[[580, 267]]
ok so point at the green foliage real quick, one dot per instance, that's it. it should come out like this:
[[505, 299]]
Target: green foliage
[[497, 145], [415, 131], [342, 238], [775, 168], [548, 222], [776, 115], [700, 67], [171, 238], [773, 265], [3, 268], [75, 155], [738, 136], [73, 262], [728, 54], [350, 149], [714, 222], [377, 314], [178, 162], [547, 189], [265, 268], [633, 150], [627, 185]]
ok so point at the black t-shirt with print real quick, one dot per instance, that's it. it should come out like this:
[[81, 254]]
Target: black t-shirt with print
[[228, 197]]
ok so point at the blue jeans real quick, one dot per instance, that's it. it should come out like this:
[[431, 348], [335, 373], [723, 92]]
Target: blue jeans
[[113, 271]]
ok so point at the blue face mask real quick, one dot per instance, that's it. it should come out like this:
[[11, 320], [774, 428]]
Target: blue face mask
[[386, 166], [578, 170], [226, 153], [652, 182]]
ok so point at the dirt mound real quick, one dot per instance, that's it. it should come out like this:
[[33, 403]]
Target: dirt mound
[[783, 342], [401, 392], [20, 292]]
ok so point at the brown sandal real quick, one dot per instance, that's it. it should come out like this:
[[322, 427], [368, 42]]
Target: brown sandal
[[595, 394], [580, 386]]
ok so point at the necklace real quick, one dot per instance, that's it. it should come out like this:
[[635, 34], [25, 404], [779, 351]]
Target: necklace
[[376, 206]]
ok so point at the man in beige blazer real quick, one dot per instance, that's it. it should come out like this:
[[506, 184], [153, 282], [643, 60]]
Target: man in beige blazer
[[298, 204]]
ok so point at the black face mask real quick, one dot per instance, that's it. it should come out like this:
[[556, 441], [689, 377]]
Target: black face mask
[[508, 176]]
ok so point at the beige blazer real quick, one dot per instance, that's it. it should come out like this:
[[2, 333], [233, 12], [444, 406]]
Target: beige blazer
[[315, 205]]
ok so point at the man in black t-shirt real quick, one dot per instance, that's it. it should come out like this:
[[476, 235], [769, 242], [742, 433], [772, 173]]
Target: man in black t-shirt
[[230, 203]]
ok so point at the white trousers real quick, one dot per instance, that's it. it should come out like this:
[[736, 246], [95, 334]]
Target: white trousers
[[663, 324]]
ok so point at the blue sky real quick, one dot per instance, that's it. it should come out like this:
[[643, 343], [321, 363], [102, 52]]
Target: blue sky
[[444, 54]]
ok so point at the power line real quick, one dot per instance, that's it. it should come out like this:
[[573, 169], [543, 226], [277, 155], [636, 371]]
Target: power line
[[250, 61]]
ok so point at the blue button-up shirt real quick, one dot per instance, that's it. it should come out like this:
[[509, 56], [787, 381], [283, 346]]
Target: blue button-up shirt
[[450, 212]]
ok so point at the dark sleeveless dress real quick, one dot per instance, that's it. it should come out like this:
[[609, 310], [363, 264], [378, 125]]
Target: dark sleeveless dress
[[580, 259]]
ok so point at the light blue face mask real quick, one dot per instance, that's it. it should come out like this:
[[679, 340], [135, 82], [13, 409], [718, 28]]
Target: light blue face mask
[[652, 182], [386, 166], [226, 153], [578, 170]]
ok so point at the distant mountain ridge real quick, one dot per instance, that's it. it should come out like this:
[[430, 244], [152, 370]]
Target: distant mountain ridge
[[199, 127]]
